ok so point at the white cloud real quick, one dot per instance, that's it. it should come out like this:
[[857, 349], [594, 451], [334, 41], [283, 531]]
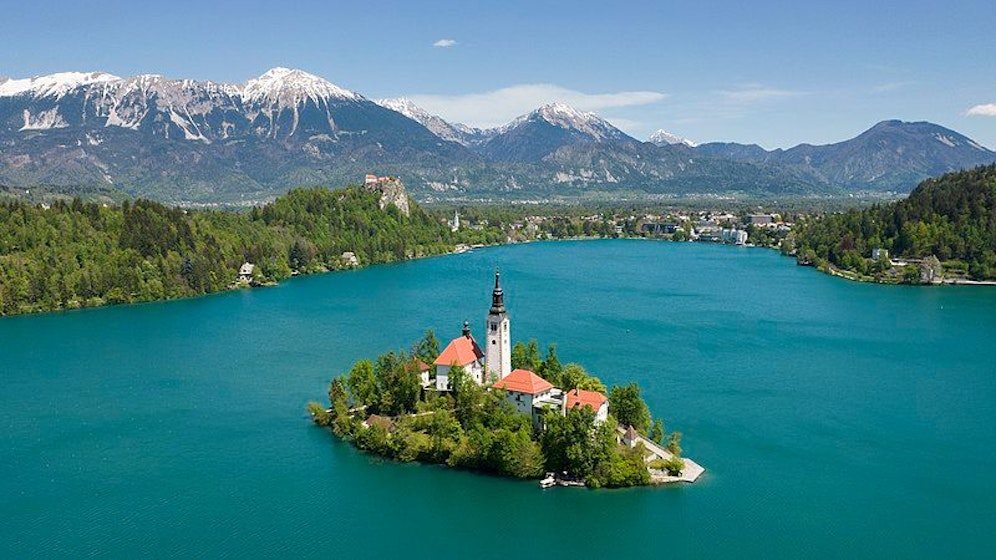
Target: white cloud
[[752, 93], [495, 108], [445, 43], [987, 110]]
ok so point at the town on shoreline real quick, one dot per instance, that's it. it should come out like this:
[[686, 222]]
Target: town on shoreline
[[502, 409]]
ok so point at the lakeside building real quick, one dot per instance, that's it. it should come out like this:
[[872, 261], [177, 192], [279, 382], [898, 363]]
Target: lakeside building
[[660, 228], [245, 272], [348, 258], [734, 236]]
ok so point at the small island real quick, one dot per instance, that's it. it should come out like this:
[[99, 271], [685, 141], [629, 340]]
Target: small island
[[503, 410]]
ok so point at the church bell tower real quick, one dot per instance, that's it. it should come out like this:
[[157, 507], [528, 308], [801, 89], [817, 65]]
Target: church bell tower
[[499, 345]]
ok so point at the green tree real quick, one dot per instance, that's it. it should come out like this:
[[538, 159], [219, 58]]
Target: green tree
[[318, 414], [520, 356], [573, 442], [362, 384], [427, 348], [657, 431], [468, 398], [629, 408], [574, 376], [551, 369], [337, 392], [674, 465], [342, 422], [398, 383], [516, 454], [624, 467], [674, 444], [533, 356]]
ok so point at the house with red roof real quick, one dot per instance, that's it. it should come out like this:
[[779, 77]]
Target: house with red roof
[[598, 402], [423, 373], [464, 352], [529, 393]]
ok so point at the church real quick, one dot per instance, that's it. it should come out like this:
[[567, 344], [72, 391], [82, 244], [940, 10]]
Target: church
[[484, 366], [491, 367]]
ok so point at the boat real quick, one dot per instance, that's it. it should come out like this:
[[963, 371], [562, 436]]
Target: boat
[[548, 481]]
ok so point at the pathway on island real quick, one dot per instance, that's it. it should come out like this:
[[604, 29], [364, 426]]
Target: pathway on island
[[690, 473]]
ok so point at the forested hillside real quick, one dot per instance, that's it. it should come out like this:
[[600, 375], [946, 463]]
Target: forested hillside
[[952, 217], [77, 254]]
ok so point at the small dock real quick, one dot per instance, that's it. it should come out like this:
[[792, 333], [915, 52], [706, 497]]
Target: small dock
[[690, 473]]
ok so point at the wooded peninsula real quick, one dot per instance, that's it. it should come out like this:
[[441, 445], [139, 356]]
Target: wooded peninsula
[[944, 232]]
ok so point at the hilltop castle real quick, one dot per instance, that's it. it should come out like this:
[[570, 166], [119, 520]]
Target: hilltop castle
[[392, 191]]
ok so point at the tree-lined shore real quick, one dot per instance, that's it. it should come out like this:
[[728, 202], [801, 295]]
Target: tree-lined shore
[[947, 227], [77, 254]]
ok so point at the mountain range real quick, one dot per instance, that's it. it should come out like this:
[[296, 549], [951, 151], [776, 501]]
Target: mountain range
[[199, 141]]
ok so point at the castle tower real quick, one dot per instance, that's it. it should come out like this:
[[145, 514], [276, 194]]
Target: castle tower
[[499, 338]]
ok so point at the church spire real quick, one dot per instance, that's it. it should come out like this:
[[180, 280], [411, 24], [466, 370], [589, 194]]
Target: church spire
[[498, 340], [497, 297]]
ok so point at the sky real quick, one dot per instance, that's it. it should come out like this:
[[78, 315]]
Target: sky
[[773, 73]]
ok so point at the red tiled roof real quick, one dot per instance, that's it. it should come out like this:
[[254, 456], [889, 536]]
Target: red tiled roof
[[523, 381], [580, 397], [382, 421], [460, 351], [414, 364]]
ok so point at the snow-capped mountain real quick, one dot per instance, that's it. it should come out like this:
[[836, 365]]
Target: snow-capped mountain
[[665, 138], [535, 135], [175, 139], [52, 85], [284, 127], [286, 86], [453, 132], [435, 124], [276, 104], [561, 115]]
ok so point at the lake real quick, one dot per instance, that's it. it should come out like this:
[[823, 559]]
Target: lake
[[834, 419]]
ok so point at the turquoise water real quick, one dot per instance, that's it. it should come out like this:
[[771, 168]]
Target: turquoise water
[[834, 419]]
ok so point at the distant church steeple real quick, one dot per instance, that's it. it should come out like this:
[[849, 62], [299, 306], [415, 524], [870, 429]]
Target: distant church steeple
[[499, 336]]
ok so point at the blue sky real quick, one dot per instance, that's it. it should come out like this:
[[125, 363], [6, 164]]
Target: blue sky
[[775, 73]]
